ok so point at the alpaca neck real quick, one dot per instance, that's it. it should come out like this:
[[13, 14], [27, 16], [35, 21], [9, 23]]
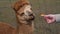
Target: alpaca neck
[[25, 28]]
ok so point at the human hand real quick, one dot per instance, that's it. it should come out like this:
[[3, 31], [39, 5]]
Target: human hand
[[50, 18]]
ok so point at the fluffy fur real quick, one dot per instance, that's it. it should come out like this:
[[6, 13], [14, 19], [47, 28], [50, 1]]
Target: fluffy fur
[[6, 29], [19, 4], [24, 26]]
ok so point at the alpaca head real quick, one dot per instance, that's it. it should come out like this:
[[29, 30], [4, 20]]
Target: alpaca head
[[23, 11]]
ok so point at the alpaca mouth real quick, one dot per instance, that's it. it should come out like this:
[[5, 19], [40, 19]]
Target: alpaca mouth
[[32, 18]]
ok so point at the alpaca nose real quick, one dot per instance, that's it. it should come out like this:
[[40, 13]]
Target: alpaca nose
[[30, 14]]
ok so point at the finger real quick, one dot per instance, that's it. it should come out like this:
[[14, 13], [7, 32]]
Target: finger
[[49, 19]]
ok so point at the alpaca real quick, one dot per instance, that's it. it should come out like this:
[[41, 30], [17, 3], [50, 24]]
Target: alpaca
[[24, 17], [6, 29]]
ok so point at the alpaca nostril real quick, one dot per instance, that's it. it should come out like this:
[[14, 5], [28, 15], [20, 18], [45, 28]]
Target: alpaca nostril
[[30, 14]]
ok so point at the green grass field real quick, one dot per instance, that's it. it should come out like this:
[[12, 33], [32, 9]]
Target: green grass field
[[7, 14]]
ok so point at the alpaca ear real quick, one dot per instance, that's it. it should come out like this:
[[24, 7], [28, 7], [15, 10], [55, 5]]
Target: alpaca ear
[[15, 6]]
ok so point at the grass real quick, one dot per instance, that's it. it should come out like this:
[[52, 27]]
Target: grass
[[39, 6]]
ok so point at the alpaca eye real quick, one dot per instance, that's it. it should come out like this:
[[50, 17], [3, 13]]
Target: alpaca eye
[[22, 14]]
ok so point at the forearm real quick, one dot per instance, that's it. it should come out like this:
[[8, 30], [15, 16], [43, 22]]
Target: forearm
[[57, 17]]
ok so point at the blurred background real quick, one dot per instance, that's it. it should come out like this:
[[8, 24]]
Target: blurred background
[[7, 15]]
